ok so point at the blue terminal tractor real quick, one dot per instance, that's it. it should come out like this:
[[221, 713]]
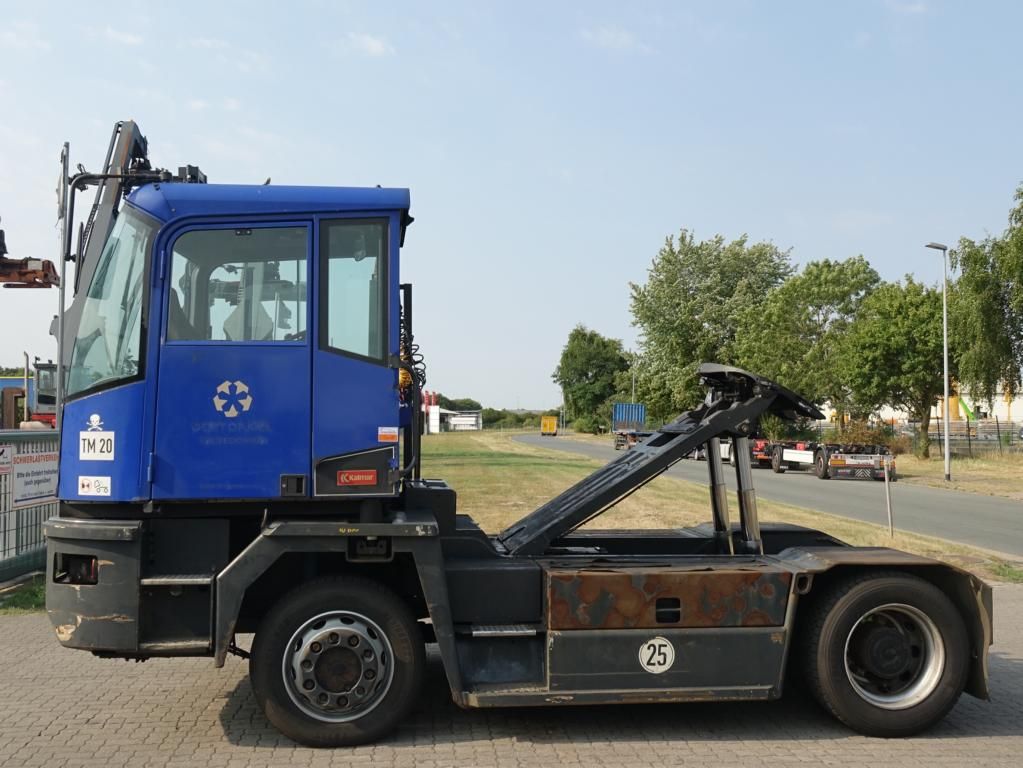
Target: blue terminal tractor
[[240, 473]]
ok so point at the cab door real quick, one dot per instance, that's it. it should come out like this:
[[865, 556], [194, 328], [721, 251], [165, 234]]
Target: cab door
[[355, 393], [232, 411]]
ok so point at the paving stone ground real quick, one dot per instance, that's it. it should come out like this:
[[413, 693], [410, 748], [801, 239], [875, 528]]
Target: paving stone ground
[[66, 708]]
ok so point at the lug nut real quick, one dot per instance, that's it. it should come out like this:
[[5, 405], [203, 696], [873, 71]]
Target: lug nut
[[316, 647], [353, 641], [360, 691], [308, 685], [370, 674], [334, 637], [342, 701], [322, 698], [367, 654], [307, 665]]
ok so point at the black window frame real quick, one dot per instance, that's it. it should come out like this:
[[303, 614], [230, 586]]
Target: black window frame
[[323, 290]]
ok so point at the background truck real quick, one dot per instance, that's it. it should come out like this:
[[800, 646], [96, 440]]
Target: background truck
[[846, 460], [25, 273], [628, 424], [549, 426], [200, 500], [41, 402]]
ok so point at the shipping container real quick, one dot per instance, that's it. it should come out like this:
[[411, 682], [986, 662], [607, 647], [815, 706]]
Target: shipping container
[[628, 416]]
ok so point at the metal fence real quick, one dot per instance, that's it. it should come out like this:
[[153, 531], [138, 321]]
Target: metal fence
[[974, 439], [28, 488]]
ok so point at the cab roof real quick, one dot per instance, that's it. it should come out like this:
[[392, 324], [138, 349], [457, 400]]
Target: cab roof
[[174, 200]]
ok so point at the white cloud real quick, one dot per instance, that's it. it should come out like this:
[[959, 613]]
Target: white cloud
[[209, 43], [22, 36], [226, 54], [613, 38], [197, 105], [907, 7], [369, 45], [122, 38]]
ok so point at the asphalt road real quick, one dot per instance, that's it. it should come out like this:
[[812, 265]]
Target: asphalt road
[[990, 522]]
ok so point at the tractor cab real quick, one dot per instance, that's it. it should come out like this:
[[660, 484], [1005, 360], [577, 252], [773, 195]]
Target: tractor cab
[[238, 343]]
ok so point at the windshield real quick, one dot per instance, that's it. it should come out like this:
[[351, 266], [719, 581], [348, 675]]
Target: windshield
[[109, 335]]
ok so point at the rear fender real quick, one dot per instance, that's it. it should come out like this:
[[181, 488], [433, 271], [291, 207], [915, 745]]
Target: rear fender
[[820, 566]]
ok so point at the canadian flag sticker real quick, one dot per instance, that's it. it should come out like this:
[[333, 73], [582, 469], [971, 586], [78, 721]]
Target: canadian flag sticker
[[347, 477]]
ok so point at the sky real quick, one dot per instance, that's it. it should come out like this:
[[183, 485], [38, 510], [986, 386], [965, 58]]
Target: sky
[[549, 147]]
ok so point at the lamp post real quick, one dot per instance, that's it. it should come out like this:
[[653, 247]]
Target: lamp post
[[944, 341]]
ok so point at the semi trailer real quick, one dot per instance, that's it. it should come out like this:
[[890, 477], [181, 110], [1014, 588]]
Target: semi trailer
[[202, 501], [827, 460]]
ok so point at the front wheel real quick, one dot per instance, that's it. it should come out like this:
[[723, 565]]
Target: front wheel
[[337, 662], [886, 654]]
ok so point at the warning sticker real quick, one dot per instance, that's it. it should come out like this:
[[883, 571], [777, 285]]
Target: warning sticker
[[93, 486], [387, 434], [357, 477]]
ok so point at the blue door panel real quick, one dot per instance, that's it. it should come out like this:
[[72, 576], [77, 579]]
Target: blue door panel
[[353, 400], [101, 447], [231, 419]]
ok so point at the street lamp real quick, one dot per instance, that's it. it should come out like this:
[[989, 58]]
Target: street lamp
[[944, 341]]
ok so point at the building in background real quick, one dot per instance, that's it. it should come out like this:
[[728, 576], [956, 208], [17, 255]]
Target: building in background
[[439, 419]]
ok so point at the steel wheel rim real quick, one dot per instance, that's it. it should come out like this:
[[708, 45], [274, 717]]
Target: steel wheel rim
[[921, 671], [337, 666]]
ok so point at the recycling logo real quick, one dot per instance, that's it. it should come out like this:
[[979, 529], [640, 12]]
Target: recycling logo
[[232, 398]]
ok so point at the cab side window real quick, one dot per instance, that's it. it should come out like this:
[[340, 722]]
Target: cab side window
[[353, 287], [239, 285]]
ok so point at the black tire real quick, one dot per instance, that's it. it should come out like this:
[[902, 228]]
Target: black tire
[[885, 653], [820, 464], [777, 465], [365, 615]]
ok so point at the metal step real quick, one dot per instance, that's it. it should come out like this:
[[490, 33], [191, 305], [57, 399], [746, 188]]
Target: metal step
[[502, 630], [178, 580], [176, 647]]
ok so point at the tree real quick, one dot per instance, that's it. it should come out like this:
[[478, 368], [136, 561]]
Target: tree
[[893, 352], [458, 403], [986, 310], [796, 336], [586, 371], [689, 308]]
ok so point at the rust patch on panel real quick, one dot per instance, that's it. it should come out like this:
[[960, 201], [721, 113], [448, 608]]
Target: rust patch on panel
[[627, 598]]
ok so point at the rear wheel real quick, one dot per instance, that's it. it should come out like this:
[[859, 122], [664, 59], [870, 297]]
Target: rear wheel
[[886, 654], [821, 466], [336, 662], [777, 465]]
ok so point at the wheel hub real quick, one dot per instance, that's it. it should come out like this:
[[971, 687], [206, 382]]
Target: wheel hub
[[894, 656], [885, 652], [337, 670], [338, 666]]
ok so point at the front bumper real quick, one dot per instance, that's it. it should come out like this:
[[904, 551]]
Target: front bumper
[[100, 616]]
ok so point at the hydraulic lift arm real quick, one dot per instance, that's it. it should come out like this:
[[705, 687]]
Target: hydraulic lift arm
[[735, 400]]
